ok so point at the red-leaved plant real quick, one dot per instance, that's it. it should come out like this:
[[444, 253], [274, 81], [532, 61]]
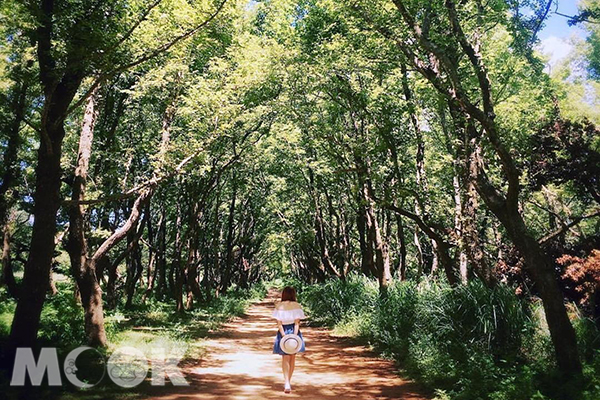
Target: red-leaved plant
[[584, 275]]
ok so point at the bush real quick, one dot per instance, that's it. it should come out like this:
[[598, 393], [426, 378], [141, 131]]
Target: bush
[[7, 309], [61, 322], [591, 373], [469, 338], [395, 318], [588, 337], [335, 301], [469, 342], [473, 319]]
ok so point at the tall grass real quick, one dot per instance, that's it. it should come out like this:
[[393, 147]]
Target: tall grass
[[469, 342]]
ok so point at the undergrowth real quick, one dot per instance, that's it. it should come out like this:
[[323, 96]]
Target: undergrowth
[[469, 342], [145, 326]]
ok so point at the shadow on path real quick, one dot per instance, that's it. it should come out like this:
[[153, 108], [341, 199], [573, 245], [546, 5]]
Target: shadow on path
[[240, 365]]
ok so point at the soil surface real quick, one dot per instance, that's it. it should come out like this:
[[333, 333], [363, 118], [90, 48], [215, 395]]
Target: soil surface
[[240, 365]]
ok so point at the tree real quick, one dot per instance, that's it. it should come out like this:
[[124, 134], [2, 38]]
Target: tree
[[433, 40], [89, 37]]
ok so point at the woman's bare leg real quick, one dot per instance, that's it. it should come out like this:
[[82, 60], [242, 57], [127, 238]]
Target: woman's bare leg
[[285, 366], [292, 365]]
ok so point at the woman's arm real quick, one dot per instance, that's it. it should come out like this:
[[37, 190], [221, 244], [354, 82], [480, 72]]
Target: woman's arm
[[280, 328], [296, 326]]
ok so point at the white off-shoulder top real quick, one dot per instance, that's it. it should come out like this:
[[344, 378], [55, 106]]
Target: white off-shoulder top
[[288, 311]]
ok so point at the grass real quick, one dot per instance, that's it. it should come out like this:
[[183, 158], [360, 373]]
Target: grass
[[145, 327], [469, 342]]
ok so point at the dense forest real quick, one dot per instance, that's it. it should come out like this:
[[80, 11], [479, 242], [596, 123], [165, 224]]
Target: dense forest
[[411, 166]]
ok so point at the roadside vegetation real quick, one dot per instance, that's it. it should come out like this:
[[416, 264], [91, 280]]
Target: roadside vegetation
[[471, 342], [145, 327]]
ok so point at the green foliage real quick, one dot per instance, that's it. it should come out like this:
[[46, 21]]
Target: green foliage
[[591, 372], [61, 324], [287, 111], [157, 322], [590, 16], [588, 336], [471, 342], [395, 319], [62, 318], [7, 309], [283, 280], [234, 302], [467, 338], [336, 300]]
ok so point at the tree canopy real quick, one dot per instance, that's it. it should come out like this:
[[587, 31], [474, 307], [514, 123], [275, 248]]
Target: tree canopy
[[175, 149]]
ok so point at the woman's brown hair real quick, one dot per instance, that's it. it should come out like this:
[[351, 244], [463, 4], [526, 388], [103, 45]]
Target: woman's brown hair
[[288, 294]]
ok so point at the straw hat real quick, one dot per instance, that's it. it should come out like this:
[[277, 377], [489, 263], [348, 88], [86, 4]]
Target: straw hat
[[290, 343]]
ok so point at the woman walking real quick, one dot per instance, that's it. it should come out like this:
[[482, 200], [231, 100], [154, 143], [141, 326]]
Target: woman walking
[[288, 340]]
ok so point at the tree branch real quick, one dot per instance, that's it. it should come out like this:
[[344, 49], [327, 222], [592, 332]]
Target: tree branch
[[137, 24], [546, 239], [145, 57]]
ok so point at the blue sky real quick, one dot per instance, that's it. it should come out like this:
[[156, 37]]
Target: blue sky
[[556, 35], [556, 24]]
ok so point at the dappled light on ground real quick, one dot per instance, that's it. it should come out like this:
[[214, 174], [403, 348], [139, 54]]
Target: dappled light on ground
[[240, 365]]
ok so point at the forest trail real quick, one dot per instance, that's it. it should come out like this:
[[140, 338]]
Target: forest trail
[[240, 365]]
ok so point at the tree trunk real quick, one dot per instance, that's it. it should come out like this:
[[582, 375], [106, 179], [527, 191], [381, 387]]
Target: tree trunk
[[403, 252], [161, 260], [229, 237], [320, 233], [421, 176], [8, 276], [91, 300], [366, 246], [541, 269], [59, 90], [344, 246], [111, 286], [84, 269], [192, 273], [474, 247], [391, 145], [443, 247], [382, 259], [151, 271], [458, 229], [46, 203], [177, 267]]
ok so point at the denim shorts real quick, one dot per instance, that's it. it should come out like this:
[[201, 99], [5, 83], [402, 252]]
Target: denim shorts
[[287, 329]]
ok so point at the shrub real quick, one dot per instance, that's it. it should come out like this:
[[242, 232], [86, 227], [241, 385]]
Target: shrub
[[474, 317], [467, 341], [333, 301], [588, 336], [7, 309], [394, 319], [61, 321]]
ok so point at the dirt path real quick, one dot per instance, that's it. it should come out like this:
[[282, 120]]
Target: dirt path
[[240, 365]]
